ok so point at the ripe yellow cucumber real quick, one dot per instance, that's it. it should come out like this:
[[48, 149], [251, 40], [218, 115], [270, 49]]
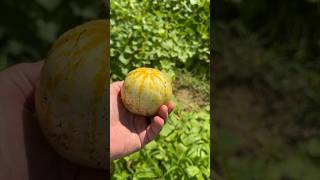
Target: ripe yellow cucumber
[[144, 90], [71, 97]]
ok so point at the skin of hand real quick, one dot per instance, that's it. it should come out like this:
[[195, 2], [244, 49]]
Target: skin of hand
[[129, 132], [24, 152]]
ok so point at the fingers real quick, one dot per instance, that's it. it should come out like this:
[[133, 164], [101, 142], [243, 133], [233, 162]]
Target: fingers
[[158, 122], [20, 81], [116, 87], [31, 71], [23, 73], [163, 112], [170, 106], [153, 130], [117, 84]]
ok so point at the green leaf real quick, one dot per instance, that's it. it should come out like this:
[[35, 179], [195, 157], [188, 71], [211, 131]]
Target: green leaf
[[145, 174], [165, 131], [192, 171], [181, 148], [191, 139], [160, 155], [123, 59], [193, 2]]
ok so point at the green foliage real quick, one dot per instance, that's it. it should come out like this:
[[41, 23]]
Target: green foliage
[[28, 28], [161, 34], [181, 151]]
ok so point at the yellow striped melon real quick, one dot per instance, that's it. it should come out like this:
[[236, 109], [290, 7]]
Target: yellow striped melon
[[71, 97], [144, 90]]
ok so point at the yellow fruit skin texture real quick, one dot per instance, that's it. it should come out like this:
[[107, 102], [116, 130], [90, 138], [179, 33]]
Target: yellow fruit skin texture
[[71, 97], [144, 90]]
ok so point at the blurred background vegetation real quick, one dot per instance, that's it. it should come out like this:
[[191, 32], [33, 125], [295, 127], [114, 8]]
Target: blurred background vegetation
[[28, 28], [266, 92]]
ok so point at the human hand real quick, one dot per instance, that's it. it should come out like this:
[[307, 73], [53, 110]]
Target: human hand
[[130, 132], [24, 152]]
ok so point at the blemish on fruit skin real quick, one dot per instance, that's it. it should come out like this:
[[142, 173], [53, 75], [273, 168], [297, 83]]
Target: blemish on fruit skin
[[45, 110]]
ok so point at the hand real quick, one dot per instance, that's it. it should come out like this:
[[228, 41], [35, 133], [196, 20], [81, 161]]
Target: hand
[[24, 153], [130, 132]]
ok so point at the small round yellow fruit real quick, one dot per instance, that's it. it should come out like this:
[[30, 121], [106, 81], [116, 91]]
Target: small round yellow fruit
[[144, 90]]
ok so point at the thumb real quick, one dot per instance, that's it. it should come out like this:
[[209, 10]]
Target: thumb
[[115, 87], [23, 75], [32, 72], [19, 81]]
